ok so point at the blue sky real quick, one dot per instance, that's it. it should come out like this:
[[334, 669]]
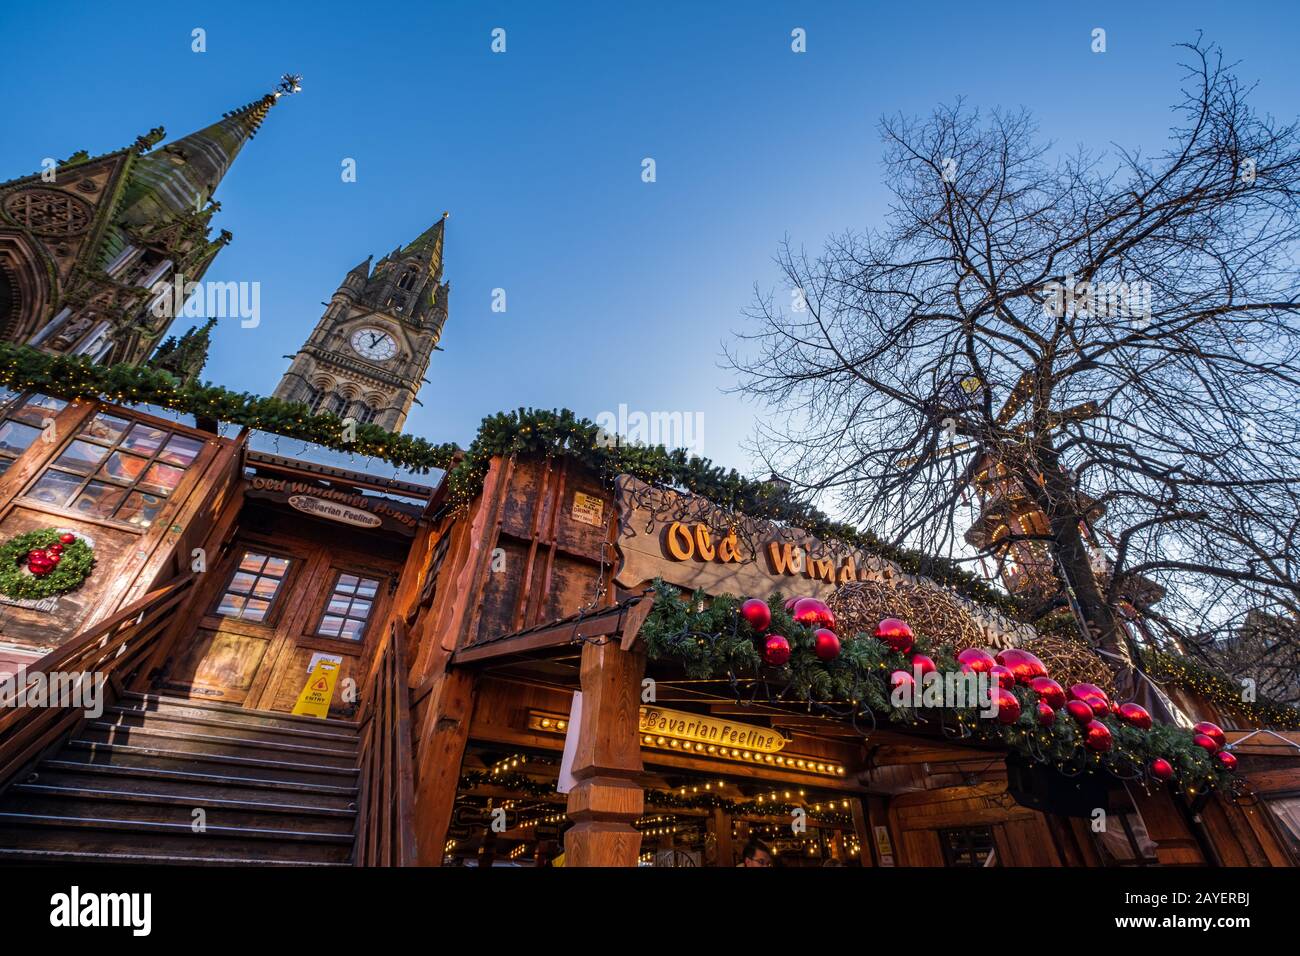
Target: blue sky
[[619, 291]]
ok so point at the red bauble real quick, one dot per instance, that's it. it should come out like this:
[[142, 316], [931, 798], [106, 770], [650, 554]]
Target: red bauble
[[1084, 691], [791, 602], [1096, 737], [36, 555], [1046, 716], [1023, 664], [825, 644], [1213, 731], [897, 634], [756, 614], [1005, 678], [1206, 742], [811, 612], [923, 662], [1227, 758], [1135, 715], [776, 650], [1048, 691], [55, 558], [55, 549], [1162, 769], [1008, 706], [1080, 712], [67, 537], [1100, 707], [976, 660]]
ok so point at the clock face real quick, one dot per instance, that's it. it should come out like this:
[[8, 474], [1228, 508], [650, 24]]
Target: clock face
[[374, 344]]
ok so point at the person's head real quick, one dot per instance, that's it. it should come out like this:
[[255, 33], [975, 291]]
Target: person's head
[[756, 854]]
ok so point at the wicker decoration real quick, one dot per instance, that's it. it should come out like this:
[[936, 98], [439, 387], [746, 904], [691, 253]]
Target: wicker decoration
[[934, 614], [1072, 662]]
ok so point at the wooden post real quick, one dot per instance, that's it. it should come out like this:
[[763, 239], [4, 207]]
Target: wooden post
[[439, 760], [722, 837], [607, 764], [862, 831]]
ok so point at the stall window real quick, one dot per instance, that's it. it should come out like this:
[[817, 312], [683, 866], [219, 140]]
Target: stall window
[[117, 468], [21, 421], [348, 609], [254, 586], [966, 847]]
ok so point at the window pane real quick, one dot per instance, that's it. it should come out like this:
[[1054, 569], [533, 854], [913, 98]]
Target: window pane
[[81, 457], [141, 509], [367, 588], [338, 605], [15, 437], [144, 439], [347, 584], [161, 478], [330, 626], [109, 428], [181, 450], [7, 394], [242, 582], [98, 500], [252, 561], [37, 408], [352, 629], [360, 609], [125, 468], [231, 605], [266, 587], [55, 487], [276, 567], [256, 610]]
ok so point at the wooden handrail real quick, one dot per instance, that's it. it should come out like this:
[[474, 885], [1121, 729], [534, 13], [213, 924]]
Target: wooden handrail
[[385, 823], [111, 651]]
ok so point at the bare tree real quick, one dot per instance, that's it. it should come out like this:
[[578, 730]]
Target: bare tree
[[1126, 330]]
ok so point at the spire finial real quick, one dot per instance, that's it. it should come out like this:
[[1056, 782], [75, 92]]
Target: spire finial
[[290, 83]]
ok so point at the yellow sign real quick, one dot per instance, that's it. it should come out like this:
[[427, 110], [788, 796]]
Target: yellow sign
[[681, 725], [588, 509], [314, 701]]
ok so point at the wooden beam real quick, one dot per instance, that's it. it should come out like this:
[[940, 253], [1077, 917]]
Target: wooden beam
[[438, 770], [607, 797]]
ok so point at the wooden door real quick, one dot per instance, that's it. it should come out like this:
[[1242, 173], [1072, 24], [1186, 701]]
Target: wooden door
[[271, 604]]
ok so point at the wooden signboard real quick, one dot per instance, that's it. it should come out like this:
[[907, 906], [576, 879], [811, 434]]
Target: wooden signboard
[[688, 542], [329, 504]]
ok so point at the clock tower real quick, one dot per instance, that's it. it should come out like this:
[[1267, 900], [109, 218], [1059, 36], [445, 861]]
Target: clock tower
[[368, 354]]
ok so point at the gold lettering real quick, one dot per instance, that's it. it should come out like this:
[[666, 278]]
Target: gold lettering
[[704, 543], [785, 558], [680, 544], [729, 549]]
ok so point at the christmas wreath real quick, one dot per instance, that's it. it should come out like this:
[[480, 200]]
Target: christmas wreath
[[44, 563]]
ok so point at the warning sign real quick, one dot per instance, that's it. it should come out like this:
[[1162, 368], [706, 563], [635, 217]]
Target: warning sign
[[588, 509], [314, 701]]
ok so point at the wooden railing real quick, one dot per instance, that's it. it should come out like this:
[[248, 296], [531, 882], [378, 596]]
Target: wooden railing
[[105, 657], [385, 823]]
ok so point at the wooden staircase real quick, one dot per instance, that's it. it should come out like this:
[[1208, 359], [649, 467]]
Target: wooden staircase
[[274, 789]]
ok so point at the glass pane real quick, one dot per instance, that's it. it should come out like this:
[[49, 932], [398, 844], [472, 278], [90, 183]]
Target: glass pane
[[7, 394], [141, 509], [15, 437], [352, 629], [256, 610], [347, 584], [276, 567], [231, 605], [4, 464], [330, 626], [144, 439], [252, 561], [126, 468], [106, 427], [81, 457], [98, 499], [181, 450], [55, 487], [367, 588], [361, 609], [266, 587], [338, 605], [242, 583], [37, 408], [161, 478]]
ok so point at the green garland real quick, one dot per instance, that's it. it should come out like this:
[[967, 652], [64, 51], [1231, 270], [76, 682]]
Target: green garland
[[707, 639], [74, 565], [1218, 689], [523, 432]]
